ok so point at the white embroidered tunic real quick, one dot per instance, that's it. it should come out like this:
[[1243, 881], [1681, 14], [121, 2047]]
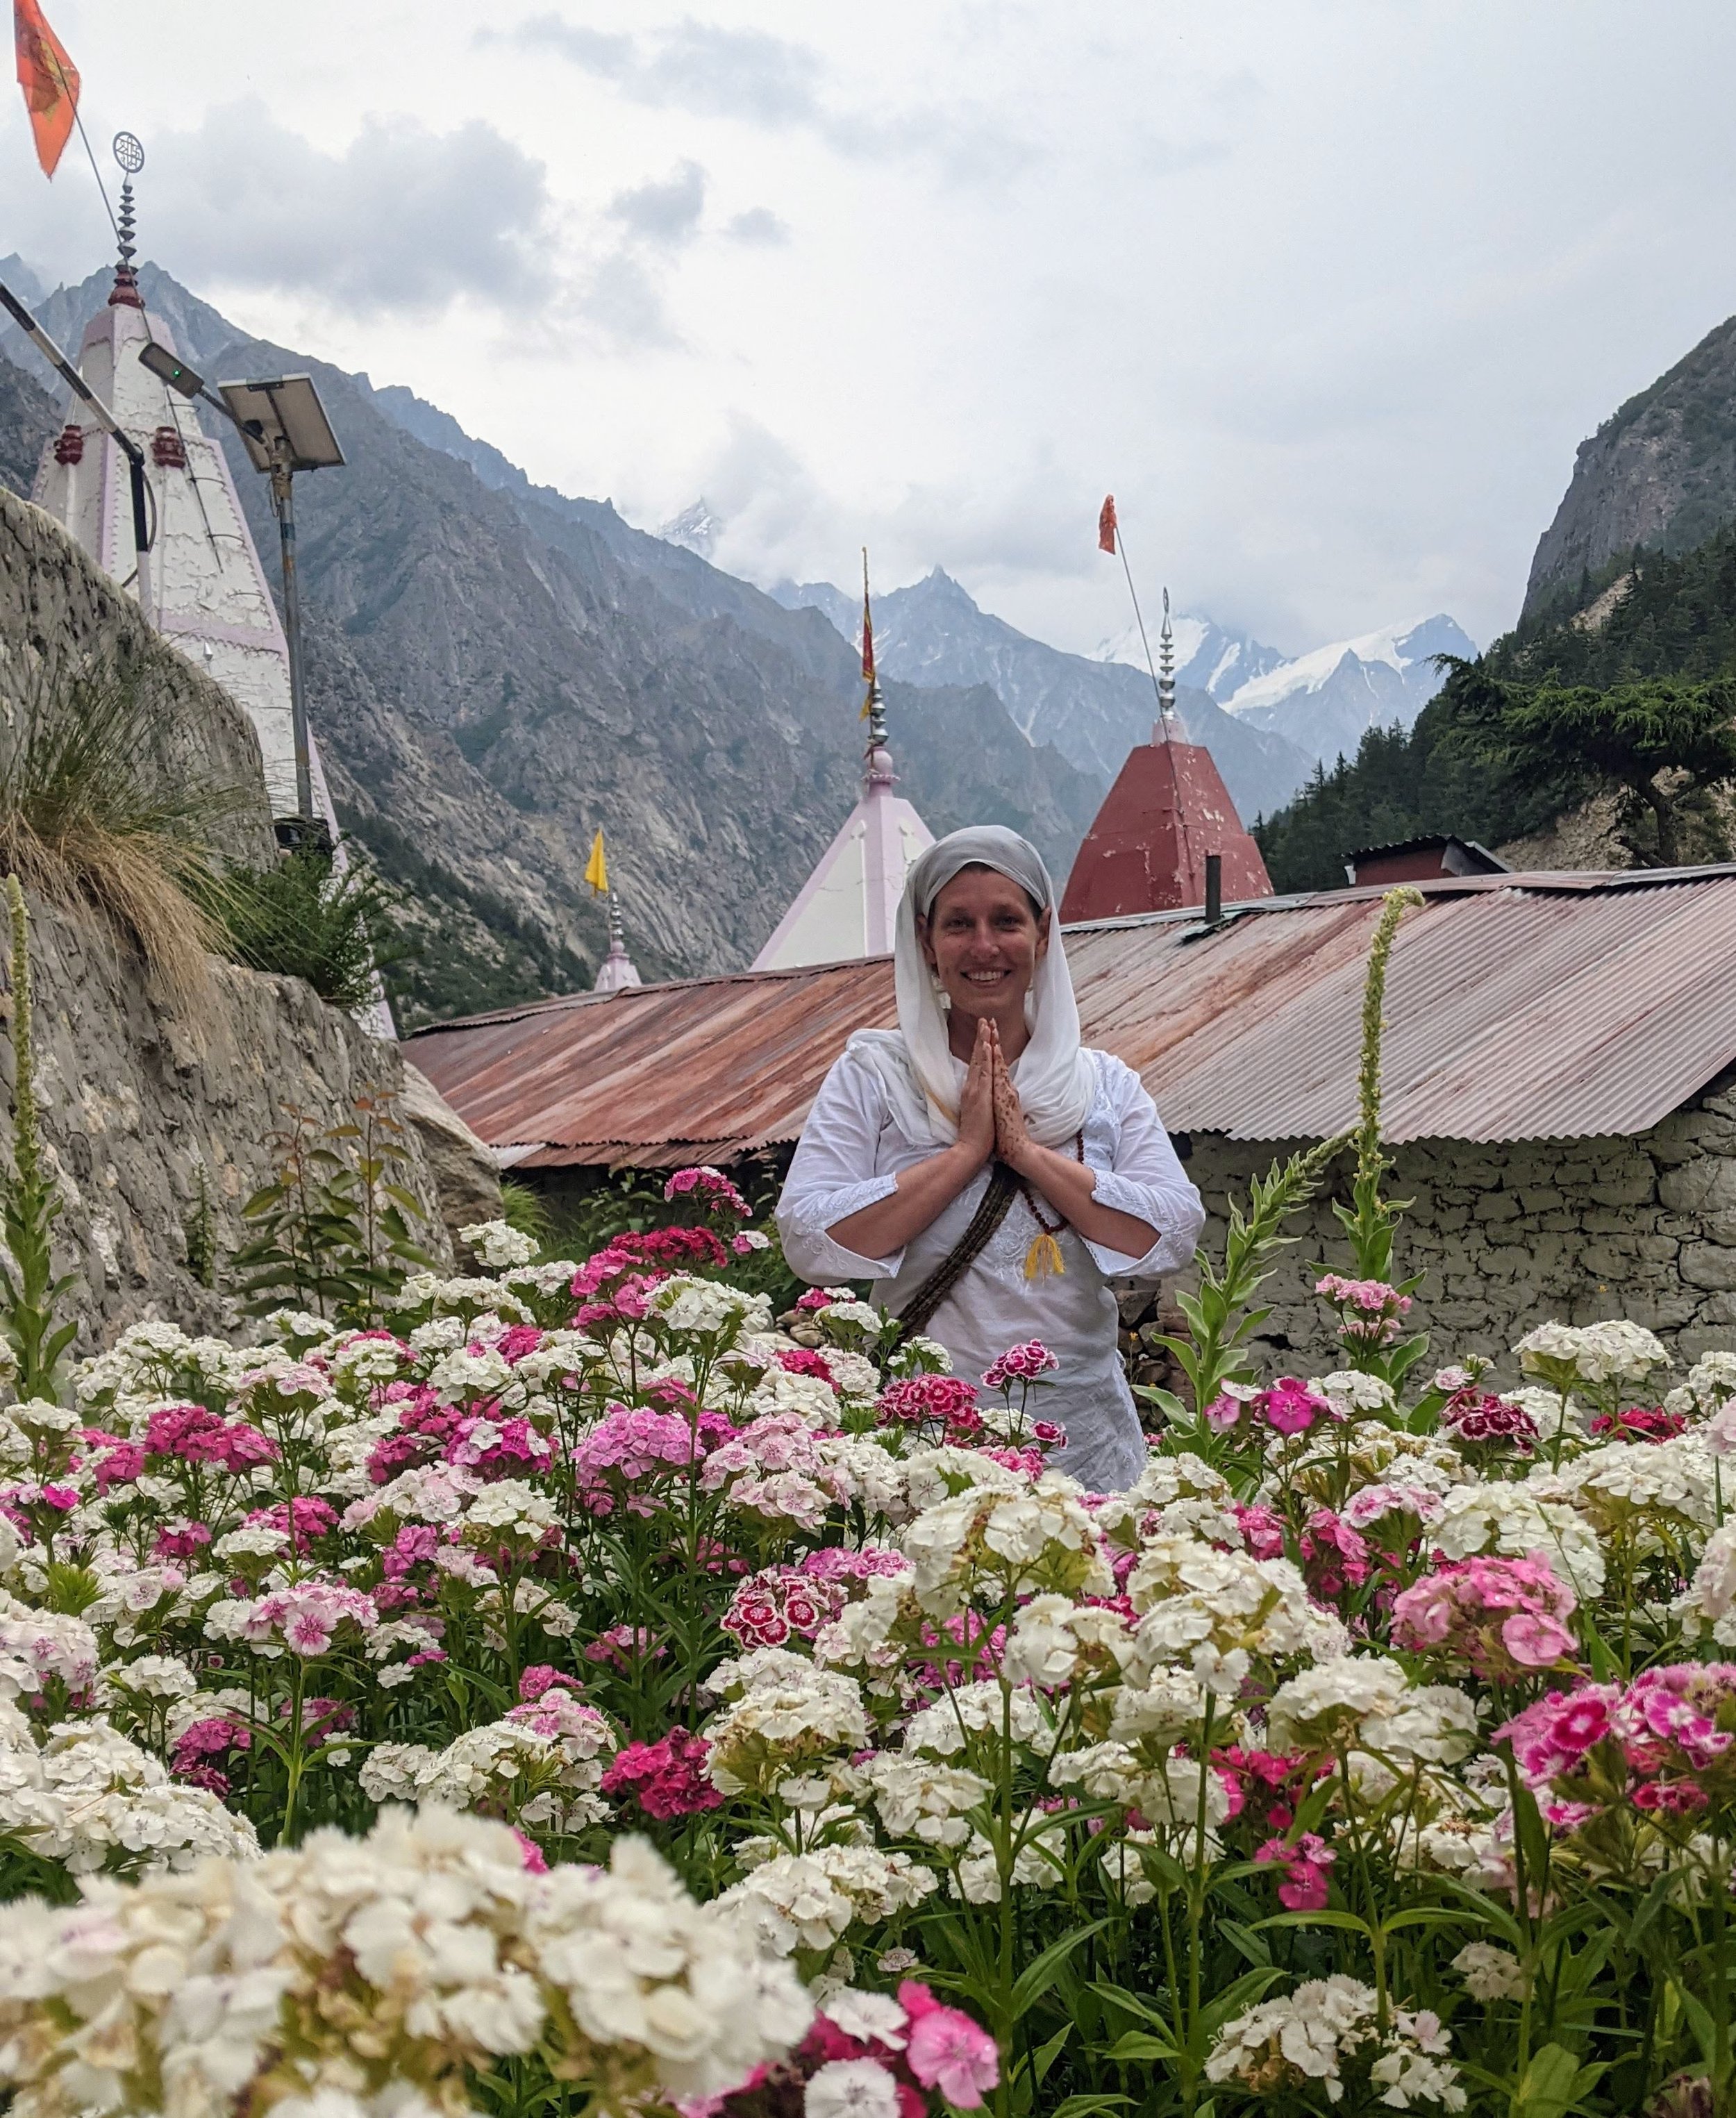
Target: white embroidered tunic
[[851, 1150]]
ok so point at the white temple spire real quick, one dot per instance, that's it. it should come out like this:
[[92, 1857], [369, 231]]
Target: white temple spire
[[617, 968], [848, 908], [204, 588]]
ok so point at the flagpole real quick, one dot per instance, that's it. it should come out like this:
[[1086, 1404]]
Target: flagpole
[[1121, 546], [71, 96]]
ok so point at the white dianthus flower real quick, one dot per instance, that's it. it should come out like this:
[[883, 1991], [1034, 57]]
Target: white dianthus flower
[[499, 1247], [1323, 1707], [850, 2088], [1708, 1604], [1612, 1352], [1514, 1521], [808, 1900], [974, 1709], [1218, 1610], [1491, 1973], [918, 1798]]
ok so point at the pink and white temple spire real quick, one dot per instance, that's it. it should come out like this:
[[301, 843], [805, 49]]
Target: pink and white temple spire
[[848, 908]]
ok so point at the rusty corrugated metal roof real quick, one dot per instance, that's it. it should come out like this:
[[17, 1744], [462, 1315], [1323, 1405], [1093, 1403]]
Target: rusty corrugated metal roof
[[1519, 1006]]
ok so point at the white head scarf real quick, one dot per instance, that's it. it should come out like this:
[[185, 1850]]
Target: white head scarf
[[1055, 1077]]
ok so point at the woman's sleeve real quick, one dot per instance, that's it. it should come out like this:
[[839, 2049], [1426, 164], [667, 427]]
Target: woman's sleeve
[[832, 1177], [1147, 1181]]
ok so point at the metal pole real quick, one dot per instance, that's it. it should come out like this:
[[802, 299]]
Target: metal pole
[[105, 419], [283, 500]]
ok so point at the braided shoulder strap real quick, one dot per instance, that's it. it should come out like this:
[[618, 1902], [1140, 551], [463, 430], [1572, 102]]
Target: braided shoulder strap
[[1003, 1188]]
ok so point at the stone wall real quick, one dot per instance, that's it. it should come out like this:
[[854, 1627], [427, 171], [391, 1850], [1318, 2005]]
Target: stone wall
[[135, 1095], [138, 1088], [1507, 1237], [60, 613]]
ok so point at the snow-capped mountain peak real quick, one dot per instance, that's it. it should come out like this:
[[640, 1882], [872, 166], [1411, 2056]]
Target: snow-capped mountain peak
[[1326, 700], [1208, 657], [696, 528]]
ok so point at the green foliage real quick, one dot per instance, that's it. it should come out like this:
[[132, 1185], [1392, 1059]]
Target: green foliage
[[1659, 746], [526, 1211], [1369, 1221], [1222, 1317], [29, 1291], [199, 1230], [1399, 786], [333, 1228], [304, 918], [1671, 616]]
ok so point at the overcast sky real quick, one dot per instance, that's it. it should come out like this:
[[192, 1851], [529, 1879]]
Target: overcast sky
[[1327, 290]]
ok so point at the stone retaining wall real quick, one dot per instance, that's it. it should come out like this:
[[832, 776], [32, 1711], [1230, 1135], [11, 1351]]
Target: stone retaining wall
[[1510, 1235], [137, 1087]]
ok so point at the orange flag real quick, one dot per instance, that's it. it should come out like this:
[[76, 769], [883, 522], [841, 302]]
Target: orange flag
[[1106, 525], [868, 626], [49, 81]]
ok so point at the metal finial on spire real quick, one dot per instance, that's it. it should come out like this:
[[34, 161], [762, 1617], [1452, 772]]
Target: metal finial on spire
[[131, 156], [1166, 667], [879, 763]]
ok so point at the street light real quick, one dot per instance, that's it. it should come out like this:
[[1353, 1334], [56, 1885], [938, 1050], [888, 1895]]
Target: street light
[[283, 427]]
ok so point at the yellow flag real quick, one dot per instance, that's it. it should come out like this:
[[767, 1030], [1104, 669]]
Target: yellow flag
[[596, 868]]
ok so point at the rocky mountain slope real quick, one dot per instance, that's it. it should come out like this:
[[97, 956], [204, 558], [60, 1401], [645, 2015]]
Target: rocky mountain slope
[[1659, 473], [932, 633], [495, 669]]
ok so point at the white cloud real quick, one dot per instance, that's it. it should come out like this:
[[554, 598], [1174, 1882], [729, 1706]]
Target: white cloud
[[402, 220], [693, 66], [1327, 290], [771, 81], [666, 213], [758, 225]]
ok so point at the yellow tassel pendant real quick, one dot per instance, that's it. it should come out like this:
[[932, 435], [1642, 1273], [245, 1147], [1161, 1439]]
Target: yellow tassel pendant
[[1044, 1257]]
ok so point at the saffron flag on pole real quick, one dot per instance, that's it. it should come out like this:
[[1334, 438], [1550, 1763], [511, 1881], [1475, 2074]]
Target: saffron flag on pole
[[1106, 524], [596, 868], [49, 81], [868, 626]]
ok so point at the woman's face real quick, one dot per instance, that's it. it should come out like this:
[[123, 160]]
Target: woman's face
[[984, 941]]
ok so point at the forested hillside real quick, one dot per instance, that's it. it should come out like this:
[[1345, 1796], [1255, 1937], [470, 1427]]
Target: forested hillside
[[1651, 615]]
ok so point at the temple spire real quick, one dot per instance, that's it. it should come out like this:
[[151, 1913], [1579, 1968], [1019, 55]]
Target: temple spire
[[1165, 728], [874, 706], [126, 294], [848, 908], [617, 968]]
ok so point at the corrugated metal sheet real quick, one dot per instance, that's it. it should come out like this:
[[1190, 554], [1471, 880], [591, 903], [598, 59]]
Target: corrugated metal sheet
[[1518, 1007]]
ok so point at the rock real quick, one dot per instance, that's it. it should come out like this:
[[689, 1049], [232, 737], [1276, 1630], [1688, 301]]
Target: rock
[[465, 1177]]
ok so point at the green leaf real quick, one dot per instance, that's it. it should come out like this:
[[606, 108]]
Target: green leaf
[[1245, 1941], [1348, 1921], [1038, 1976], [1241, 1993], [1045, 2056], [1423, 1915], [1550, 2085], [1700, 2019], [1141, 2044]]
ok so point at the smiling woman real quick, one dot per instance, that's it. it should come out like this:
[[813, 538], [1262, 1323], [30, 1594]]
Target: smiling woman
[[989, 1172]]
